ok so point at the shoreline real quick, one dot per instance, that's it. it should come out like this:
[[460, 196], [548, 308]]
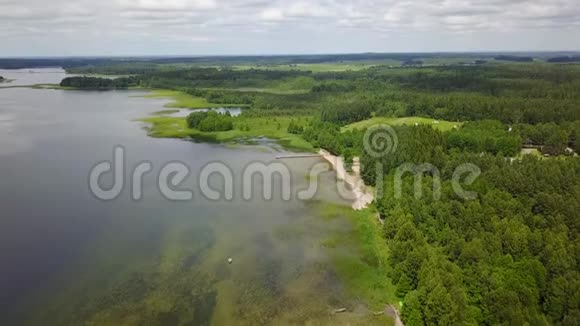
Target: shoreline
[[364, 195]]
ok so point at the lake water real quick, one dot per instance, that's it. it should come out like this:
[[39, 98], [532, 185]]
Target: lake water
[[20, 77], [68, 258]]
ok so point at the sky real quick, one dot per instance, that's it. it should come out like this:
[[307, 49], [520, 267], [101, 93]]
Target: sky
[[220, 27]]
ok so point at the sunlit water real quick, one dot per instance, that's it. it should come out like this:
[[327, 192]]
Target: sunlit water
[[20, 77], [68, 258]]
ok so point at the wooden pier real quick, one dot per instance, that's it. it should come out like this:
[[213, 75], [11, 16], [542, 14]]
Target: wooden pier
[[283, 157]]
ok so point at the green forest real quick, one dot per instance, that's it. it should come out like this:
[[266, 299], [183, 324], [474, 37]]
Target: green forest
[[210, 121], [98, 83], [509, 255]]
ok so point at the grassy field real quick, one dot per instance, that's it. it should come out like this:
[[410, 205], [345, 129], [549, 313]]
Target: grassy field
[[245, 129], [184, 100], [409, 121], [289, 86], [530, 151], [536, 153], [248, 128]]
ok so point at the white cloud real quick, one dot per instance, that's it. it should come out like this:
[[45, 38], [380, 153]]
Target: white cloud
[[308, 9], [395, 15], [299, 26], [165, 5], [272, 14]]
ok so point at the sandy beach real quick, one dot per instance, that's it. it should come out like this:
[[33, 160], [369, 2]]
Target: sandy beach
[[363, 195]]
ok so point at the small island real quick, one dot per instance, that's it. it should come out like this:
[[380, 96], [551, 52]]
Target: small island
[[5, 80], [97, 83]]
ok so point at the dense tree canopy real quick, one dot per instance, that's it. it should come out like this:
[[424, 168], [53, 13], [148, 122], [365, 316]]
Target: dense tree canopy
[[486, 136], [502, 258], [210, 121], [511, 93], [565, 59], [99, 83], [514, 58]]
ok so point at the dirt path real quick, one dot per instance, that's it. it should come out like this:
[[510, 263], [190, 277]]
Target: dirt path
[[392, 312]]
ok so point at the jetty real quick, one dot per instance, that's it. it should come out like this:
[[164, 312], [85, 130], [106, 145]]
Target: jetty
[[283, 157]]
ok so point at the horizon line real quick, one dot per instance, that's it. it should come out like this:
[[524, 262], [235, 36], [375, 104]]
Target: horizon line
[[281, 54]]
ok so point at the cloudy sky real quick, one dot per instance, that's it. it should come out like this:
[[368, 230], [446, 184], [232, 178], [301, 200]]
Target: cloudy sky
[[201, 27]]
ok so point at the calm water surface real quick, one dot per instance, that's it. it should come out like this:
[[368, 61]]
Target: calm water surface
[[68, 258], [20, 77]]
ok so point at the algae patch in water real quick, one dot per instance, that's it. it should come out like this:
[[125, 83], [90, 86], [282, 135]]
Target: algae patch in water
[[281, 274]]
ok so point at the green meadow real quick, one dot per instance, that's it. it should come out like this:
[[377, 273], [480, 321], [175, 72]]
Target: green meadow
[[184, 100], [407, 121], [245, 129]]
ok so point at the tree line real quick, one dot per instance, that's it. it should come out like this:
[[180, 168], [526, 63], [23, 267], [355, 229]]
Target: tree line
[[84, 82], [565, 59], [210, 121], [509, 93], [509, 256]]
